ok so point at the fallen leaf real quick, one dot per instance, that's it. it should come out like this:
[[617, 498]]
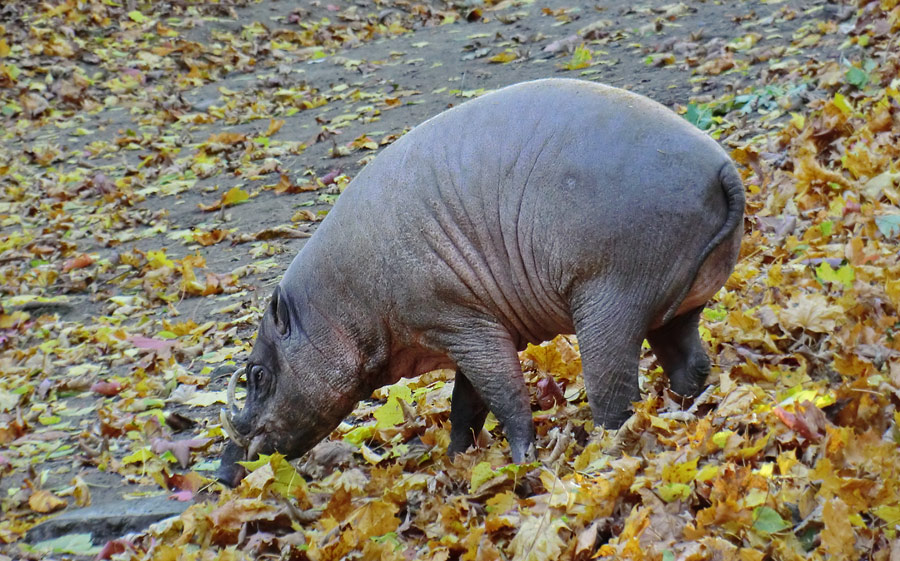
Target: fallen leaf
[[44, 501]]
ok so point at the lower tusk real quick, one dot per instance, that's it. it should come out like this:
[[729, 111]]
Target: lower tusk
[[230, 430], [232, 384], [254, 447]]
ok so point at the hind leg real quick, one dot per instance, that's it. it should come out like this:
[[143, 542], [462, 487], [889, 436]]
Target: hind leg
[[609, 337], [678, 348]]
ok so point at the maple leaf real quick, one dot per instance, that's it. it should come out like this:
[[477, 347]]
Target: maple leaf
[[538, 539], [811, 312]]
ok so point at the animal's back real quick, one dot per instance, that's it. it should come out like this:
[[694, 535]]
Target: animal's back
[[503, 204]]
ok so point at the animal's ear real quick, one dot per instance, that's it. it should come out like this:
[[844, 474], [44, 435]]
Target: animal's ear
[[280, 313]]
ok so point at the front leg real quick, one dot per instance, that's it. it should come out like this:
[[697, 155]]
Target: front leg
[[485, 354], [467, 415]]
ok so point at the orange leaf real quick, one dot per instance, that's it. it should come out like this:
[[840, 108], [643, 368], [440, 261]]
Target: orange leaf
[[44, 501], [79, 262], [838, 537], [226, 138], [274, 126], [210, 238]]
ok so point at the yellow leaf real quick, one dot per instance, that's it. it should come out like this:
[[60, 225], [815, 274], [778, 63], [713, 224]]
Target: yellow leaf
[[140, 456], [505, 56], [4, 48], [205, 399], [259, 478], [841, 103], [558, 357], [44, 501], [680, 473], [389, 415], [890, 514], [157, 259], [481, 473], [375, 518], [892, 288], [721, 438], [275, 473], [670, 492], [706, 473], [234, 196], [559, 495], [750, 451], [81, 492], [581, 58], [226, 138]]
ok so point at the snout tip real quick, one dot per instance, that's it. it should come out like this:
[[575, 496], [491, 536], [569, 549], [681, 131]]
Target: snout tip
[[230, 472]]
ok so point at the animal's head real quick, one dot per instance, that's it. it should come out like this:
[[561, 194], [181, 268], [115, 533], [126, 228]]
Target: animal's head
[[298, 389]]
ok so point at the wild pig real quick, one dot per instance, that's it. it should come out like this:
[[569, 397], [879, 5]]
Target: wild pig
[[547, 207]]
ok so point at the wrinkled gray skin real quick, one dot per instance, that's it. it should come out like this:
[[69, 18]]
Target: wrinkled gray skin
[[553, 206]]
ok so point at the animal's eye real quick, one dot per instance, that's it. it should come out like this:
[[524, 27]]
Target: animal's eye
[[256, 377]]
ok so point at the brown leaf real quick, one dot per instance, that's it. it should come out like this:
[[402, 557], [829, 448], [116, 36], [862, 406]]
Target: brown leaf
[[106, 388], [181, 449], [549, 393], [232, 514], [44, 501]]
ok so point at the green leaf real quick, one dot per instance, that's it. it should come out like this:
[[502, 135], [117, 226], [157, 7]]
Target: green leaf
[[857, 77], [768, 521], [844, 275], [715, 314], [389, 415], [360, 434], [668, 555], [287, 482], [581, 58], [74, 544], [721, 438], [137, 17], [481, 474], [826, 228], [670, 492], [699, 116], [888, 225]]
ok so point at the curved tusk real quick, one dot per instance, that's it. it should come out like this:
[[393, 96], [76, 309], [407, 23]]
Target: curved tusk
[[232, 383], [254, 447], [230, 430]]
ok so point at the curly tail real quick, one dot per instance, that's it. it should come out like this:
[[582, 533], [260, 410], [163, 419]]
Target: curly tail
[[733, 187]]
